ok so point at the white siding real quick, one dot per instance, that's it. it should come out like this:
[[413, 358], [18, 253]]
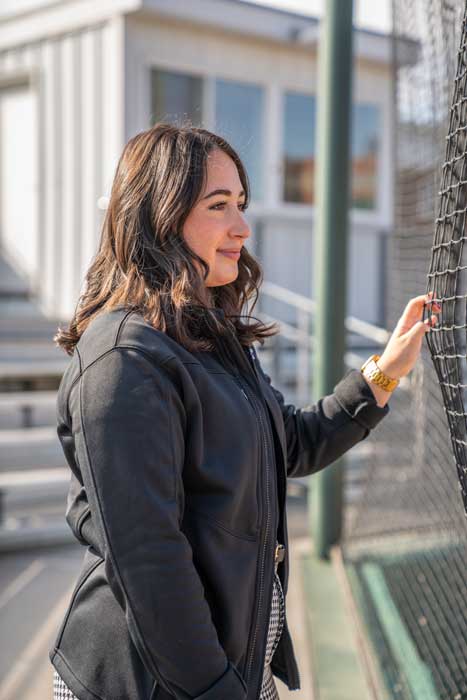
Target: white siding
[[71, 170], [92, 135], [52, 173], [78, 126], [19, 180]]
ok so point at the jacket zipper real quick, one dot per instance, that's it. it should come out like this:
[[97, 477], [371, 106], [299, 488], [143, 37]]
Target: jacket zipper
[[264, 436], [265, 543], [286, 630], [252, 401]]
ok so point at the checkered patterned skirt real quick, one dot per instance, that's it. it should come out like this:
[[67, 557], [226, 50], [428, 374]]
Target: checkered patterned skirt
[[62, 691], [268, 687], [276, 624]]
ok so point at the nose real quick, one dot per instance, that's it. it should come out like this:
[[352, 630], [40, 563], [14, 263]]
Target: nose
[[241, 227]]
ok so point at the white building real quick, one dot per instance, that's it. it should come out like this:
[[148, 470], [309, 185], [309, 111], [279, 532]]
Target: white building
[[78, 78]]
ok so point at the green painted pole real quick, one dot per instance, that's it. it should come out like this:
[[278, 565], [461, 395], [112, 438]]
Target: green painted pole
[[330, 247]]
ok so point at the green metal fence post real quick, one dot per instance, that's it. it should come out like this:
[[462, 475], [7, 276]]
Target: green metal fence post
[[330, 249]]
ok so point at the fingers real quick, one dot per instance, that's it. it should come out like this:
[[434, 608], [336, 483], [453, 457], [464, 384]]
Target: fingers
[[421, 327], [421, 299], [430, 322], [414, 308], [417, 303]]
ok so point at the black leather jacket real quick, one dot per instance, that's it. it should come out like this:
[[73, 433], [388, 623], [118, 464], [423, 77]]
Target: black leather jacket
[[179, 465]]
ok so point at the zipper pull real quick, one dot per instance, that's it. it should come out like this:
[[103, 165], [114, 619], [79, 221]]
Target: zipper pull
[[245, 395]]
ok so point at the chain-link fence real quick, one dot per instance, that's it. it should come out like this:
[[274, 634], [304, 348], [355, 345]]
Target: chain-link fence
[[405, 543]]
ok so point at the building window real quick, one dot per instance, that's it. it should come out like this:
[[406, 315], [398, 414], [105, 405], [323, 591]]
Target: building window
[[299, 150], [239, 115], [176, 97], [365, 147]]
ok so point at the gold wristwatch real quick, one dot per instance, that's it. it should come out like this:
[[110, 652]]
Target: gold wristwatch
[[373, 373]]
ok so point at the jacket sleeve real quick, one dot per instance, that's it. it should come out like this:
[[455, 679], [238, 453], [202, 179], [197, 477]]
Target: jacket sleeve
[[129, 425], [319, 434]]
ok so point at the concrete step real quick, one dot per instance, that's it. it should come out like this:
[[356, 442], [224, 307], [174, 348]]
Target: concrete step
[[33, 506], [23, 376], [30, 362], [17, 536], [30, 350], [29, 448], [25, 327], [12, 283], [30, 486], [27, 409]]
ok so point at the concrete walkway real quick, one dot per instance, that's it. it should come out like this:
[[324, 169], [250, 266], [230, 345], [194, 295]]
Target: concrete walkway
[[296, 617]]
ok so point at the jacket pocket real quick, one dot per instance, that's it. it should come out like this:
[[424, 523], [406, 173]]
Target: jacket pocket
[[90, 562], [216, 523], [96, 645], [226, 565], [230, 686]]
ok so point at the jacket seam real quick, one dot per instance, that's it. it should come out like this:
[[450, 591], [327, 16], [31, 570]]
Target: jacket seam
[[79, 584], [82, 518], [77, 378], [147, 355], [91, 364], [108, 352], [169, 358], [349, 415], [249, 538], [120, 326], [172, 451], [206, 369], [109, 548], [59, 653]]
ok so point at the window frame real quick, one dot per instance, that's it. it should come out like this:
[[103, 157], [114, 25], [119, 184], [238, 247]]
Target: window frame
[[297, 209], [263, 125]]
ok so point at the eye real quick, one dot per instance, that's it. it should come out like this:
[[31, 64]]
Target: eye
[[242, 206]]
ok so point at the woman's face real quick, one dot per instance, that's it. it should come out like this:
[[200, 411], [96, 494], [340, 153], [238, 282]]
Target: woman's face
[[217, 222]]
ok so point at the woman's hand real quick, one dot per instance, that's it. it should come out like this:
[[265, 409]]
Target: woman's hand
[[404, 345]]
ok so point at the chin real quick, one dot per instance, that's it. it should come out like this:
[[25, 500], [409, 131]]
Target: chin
[[219, 282]]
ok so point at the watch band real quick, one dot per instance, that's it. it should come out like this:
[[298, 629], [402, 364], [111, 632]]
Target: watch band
[[373, 373]]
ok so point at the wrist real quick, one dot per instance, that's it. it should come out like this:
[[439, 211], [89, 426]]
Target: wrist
[[378, 379], [388, 368], [381, 396]]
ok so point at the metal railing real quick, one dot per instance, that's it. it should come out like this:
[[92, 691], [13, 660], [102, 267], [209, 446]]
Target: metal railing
[[301, 335]]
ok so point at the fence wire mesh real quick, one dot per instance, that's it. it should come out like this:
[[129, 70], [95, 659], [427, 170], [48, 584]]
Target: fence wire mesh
[[405, 533], [448, 270]]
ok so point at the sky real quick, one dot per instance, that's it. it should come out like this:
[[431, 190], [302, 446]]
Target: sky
[[369, 14]]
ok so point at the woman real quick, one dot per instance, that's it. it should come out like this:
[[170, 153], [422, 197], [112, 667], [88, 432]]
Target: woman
[[178, 444]]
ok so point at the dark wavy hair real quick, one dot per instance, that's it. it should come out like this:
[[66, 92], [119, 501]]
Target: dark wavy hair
[[143, 262]]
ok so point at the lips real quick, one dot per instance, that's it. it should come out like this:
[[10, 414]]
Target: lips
[[233, 254]]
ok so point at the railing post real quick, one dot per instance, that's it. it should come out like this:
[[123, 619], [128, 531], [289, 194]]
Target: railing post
[[330, 249]]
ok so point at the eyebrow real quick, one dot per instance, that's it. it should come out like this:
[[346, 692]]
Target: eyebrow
[[227, 193]]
